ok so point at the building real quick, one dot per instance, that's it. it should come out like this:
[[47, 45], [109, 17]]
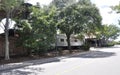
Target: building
[[62, 41], [14, 49]]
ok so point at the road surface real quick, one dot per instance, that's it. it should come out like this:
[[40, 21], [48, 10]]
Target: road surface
[[99, 61]]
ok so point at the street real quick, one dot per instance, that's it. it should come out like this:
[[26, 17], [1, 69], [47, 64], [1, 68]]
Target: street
[[98, 61]]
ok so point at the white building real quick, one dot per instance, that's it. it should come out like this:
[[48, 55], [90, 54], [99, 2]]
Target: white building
[[62, 41]]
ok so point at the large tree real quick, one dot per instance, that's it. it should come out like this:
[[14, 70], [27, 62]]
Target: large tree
[[9, 6], [110, 32], [79, 17], [38, 31]]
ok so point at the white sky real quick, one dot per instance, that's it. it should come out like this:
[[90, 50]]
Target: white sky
[[104, 6], [42, 2]]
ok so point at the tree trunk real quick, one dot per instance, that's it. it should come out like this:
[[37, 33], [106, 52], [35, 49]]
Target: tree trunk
[[7, 57], [96, 44], [68, 42]]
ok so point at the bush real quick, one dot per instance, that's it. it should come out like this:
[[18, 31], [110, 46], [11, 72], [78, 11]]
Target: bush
[[108, 45], [86, 47]]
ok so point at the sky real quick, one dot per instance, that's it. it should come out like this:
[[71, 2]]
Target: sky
[[2, 23], [103, 5]]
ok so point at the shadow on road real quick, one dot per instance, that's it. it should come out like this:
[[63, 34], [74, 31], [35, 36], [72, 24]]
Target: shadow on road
[[22, 69], [26, 70], [96, 54], [25, 65]]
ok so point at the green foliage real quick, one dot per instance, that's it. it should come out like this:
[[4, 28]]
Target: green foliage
[[108, 45], [60, 4], [10, 5], [24, 33], [116, 8], [79, 17], [85, 47], [80, 36], [110, 32], [37, 34], [117, 42]]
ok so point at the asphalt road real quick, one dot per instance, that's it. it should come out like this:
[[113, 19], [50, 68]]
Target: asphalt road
[[99, 61]]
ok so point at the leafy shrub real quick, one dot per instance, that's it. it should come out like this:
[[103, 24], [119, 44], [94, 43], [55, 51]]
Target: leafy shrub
[[108, 45], [86, 47]]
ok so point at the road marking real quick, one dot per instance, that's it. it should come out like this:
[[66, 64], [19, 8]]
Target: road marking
[[72, 69]]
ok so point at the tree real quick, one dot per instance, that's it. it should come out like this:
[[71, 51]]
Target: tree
[[38, 30], [60, 4], [110, 32], [9, 6], [77, 18], [116, 9]]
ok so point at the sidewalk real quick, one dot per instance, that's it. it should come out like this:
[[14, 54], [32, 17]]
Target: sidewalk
[[27, 63], [35, 62]]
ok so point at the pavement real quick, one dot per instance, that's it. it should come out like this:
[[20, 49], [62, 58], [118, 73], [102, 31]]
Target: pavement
[[25, 63], [10, 66]]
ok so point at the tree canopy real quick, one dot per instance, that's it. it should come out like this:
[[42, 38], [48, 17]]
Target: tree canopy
[[62, 3], [38, 31], [79, 17], [110, 32]]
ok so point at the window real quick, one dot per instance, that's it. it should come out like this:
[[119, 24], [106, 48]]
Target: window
[[75, 40], [62, 40]]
